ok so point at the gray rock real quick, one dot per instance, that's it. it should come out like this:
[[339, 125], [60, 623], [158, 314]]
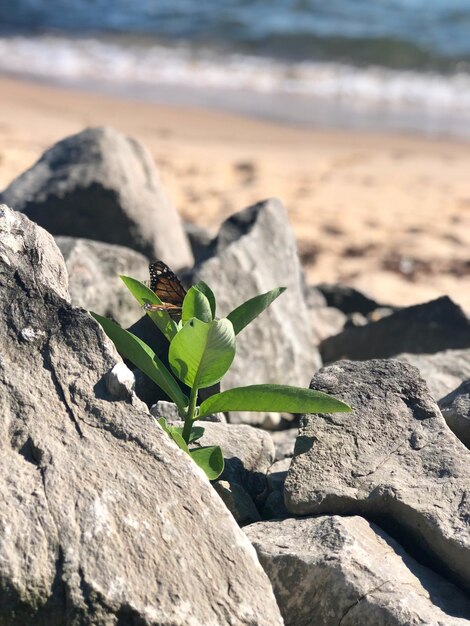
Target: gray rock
[[334, 570], [103, 520], [314, 297], [347, 299], [238, 502], [274, 507], [94, 268], [248, 454], [455, 408], [277, 474], [425, 328], [256, 252], [201, 240], [284, 442], [326, 322], [120, 381], [102, 185], [443, 371], [393, 460]]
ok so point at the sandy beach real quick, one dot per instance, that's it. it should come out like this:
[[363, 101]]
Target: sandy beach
[[389, 214]]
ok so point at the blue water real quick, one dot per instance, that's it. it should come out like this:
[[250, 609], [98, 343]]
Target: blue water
[[431, 34], [388, 64]]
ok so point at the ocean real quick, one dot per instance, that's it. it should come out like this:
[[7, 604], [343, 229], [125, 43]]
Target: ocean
[[375, 64]]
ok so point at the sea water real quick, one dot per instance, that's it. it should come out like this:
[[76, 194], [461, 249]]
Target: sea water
[[393, 64]]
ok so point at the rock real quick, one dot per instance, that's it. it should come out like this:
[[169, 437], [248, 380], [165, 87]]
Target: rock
[[284, 442], [256, 252], [443, 371], [238, 502], [104, 186], [333, 570], [94, 269], [277, 474], [455, 408], [392, 460], [326, 322], [201, 240], [120, 381], [103, 520], [248, 454], [314, 297], [424, 328], [347, 299], [274, 507]]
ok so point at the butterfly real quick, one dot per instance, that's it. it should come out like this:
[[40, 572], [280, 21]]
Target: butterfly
[[167, 286]]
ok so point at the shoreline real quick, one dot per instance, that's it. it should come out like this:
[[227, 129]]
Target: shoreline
[[387, 213]]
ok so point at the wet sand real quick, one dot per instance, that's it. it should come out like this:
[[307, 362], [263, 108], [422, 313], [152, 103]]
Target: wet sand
[[389, 214]]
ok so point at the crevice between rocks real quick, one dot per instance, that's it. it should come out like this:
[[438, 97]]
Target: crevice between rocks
[[49, 366]]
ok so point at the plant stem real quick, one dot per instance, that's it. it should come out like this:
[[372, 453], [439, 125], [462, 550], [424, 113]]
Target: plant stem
[[188, 422]]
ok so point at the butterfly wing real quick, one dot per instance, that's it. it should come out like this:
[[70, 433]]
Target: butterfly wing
[[167, 286]]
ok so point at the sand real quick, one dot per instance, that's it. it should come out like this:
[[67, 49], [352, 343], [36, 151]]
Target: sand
[[389, 214]]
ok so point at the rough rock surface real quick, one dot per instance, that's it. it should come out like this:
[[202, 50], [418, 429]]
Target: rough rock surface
[[103, 521], [238, 502], [333, 570], [455, 408], [284, 442], [256, 252], [393, 460], [94, 268], [425, 328], [104, 186], [443, 371]]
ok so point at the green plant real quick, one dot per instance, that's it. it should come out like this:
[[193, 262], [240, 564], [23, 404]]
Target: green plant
[[201, 351]]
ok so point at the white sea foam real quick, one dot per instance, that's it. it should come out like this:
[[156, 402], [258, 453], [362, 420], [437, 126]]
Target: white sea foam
[[146, 69]]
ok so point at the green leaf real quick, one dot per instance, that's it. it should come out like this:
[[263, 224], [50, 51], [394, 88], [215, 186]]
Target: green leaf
[[144, 295], [249, 310], [142, 356], [196, 432], [201, 353], [207, 291], [281, 398], [196, 305], [210, 459], [178, 439]]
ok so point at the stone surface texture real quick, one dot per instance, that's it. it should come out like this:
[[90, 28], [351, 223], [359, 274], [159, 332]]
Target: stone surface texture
[[102, 185], [256, 252], [393, 459], [332, 570], [443, 371], [455, 408], [94, 268], [103, 520], [425, 328]]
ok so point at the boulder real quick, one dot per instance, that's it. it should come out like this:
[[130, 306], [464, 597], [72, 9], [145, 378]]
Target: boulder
[[284, 442], [455, 408], [238, 502], [393, 460], [103, 520], [256, 252], [332, 570], [102, 185], [94, 269], [326, 322], [347, 299], [443, 371], [201, 240], [425, 328]]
